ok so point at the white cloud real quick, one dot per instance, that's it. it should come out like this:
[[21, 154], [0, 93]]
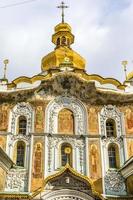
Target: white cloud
[[103, 34]]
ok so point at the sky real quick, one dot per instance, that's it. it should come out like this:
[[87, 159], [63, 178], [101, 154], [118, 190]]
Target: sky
[[103, 32]]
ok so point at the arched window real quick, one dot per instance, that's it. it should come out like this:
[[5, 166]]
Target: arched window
[[66, 121], [110, 128], [20, 154], [22, 123], [113, 154], [58, 41], [66, 154], [63, 40]]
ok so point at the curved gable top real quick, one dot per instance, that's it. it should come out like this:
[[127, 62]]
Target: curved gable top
[[71, 172]]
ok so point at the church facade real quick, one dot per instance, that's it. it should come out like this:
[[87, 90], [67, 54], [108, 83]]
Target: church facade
[[66, 134]]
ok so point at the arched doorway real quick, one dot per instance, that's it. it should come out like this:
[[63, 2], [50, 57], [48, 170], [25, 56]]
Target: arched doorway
[[66, 194]]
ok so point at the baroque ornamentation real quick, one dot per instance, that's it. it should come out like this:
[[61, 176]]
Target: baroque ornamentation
[[17, 180], [111, 112], [21, 109], [60, 103], [54, 143], [114, 183], [113, 140]]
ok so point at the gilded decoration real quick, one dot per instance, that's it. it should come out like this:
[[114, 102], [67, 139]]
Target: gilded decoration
[[69, 174], [62, 38], [4, 111]]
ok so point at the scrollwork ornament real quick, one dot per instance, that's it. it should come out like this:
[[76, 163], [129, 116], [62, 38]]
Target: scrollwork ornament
[[19, 110], [114, 182], [66, 102]]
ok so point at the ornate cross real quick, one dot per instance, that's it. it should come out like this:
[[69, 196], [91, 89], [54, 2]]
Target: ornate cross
[[62, 6]]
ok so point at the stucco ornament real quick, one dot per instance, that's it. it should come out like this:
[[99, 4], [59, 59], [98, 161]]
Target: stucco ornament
[[21, 109], [53, 146], [114, 183], [111, 112], [17, 180], [71, 103]]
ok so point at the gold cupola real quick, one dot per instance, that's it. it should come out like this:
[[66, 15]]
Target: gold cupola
[[63, 39]]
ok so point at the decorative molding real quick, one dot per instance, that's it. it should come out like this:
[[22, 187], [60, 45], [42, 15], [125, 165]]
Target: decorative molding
[[110, 112], [114, 183], [53, 148], [74, 105], [66, 194], [19, 110], [17, 180]]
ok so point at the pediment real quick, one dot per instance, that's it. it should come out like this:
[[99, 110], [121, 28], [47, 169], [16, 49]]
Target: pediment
[[68, 178]]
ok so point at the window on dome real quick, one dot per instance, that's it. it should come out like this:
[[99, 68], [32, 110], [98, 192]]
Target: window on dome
[[66, 154], [113, 155], [63, 41], [20, 153], [22, 123], [110, 128], [58, 41]]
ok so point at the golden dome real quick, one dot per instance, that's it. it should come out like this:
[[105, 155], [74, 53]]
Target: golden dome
[[62, 38]]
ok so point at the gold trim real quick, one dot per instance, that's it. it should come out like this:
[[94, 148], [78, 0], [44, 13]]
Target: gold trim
[[25, 79], [129, 76], [74, 172], [102, 81], [80, 73]]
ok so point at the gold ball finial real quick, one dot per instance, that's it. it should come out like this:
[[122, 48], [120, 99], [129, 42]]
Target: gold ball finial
[[124, 62], [6, 61], [67, 150]]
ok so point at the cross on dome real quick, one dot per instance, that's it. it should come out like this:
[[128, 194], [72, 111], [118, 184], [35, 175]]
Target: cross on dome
[[62, 6]]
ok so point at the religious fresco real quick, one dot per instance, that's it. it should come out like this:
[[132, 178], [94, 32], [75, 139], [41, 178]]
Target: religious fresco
[[2, 179], [129, 120], [66, 121], [4, 111], [39, 119], [3, 142], [38, 161], [130, 147], [93, 120], [94, 159]]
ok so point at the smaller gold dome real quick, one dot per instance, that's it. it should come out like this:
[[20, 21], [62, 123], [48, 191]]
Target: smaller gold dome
[[62, 38], [63, 35]]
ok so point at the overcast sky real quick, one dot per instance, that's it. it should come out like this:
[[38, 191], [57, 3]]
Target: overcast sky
[[103, 32]]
